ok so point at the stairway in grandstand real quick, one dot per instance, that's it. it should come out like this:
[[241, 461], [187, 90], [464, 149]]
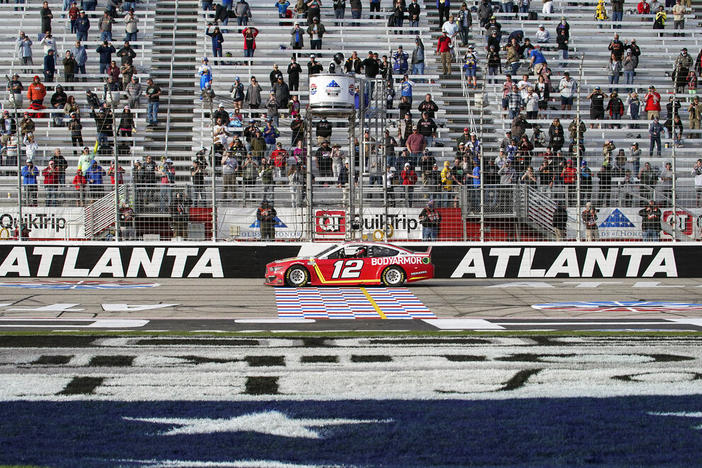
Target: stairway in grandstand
[[174, 64]]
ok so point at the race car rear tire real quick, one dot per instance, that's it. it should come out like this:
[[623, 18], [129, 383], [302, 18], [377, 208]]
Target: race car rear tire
[[393, 276], [297, 276]]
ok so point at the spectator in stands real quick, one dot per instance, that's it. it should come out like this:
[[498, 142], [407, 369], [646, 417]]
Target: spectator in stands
[[409, 180], [73, 16], [314, 67], [105, 50], [197, 179], [547, 9], [36, 92], [556, 136], [76, 128], [596, 98], [679, 11], [400, 63], [654, 130], [294, 71], [253, 95], [643, 8], [103, 123], [81, 185], [515, 104], [674, 128], [415, 144], [567, 87], [15, 90], [217, 40], [24, 46], [242, 10], [666, 184], [537, 59], [49, 66], [131, 27], [615, 107], [542, 35], [613, 70], [205, 72], [464, 21], [651, 219], [617, 13], [105, 27], [134, 91], [80, 53], [126, 122], [659, 19], [26, 125], [493, 31], [48, 43], [82, 27], [589, 217], [648, 179], [89, 5], [29, 182], [30, 146], [270, 135], [324, 130], [166, 172], [249, 41], [316, 32], [153, 93], [683, 64], [95, 176], [653, 103], [427, 128], [406, 87], [443, 49], [601, 13]]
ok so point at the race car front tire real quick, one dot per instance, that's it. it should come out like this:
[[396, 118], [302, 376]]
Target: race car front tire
[[297, 276]]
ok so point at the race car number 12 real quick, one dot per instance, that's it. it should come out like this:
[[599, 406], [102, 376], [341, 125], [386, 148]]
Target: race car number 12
[[347, 269]]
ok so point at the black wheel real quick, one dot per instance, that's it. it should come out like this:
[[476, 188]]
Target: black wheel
[[393, 276], [297, 276]]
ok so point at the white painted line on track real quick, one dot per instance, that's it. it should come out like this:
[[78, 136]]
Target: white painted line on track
[[90, 323], [463, 324], [688, 321]]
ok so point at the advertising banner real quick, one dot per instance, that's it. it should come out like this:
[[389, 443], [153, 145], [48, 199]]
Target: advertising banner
[[60, 223], [248, 260]]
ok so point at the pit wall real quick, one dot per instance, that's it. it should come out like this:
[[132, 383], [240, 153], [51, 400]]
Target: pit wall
[[248, 260]]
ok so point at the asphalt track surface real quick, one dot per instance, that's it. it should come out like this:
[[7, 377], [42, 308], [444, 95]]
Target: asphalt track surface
[[246, 304]]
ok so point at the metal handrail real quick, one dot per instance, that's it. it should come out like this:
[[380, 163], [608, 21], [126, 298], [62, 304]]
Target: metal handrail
[[170, 78]]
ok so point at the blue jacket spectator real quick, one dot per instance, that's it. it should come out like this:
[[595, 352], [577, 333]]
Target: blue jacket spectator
[[30, 173], [400, 63], [95, 174]]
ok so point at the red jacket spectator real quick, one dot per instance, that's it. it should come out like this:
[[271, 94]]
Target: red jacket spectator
[[643, 8], [51, 174], [280, 156], [249, 38], [36, 91], [569, 173], [409, 177], [79, 181], [443, 44], [653, 101]]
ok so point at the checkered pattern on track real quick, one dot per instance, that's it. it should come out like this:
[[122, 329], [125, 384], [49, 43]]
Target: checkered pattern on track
[[349, 303]]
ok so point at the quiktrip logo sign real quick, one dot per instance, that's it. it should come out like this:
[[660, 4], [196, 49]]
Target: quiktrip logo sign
[[330, 223]]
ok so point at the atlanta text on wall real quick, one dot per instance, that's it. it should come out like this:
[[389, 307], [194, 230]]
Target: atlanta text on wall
[[249, 260]]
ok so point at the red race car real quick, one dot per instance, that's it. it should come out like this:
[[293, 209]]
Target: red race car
[[350, 264]]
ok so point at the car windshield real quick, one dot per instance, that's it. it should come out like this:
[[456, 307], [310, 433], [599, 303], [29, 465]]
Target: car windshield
[[327, 250]]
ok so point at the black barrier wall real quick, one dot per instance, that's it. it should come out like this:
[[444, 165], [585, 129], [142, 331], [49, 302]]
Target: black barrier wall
[[170, 260]]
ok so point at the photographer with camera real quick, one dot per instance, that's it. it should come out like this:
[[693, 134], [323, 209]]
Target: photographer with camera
[[589, 217], [651, 221]]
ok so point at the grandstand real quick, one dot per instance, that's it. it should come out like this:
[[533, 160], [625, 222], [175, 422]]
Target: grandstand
[[172, 41]]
